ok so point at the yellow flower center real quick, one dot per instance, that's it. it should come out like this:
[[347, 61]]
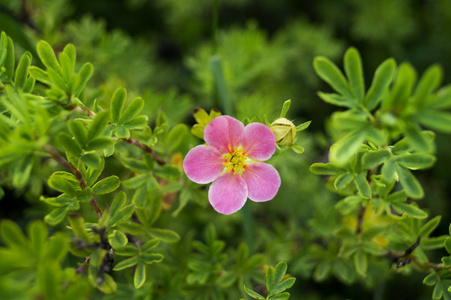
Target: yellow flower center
[[235, 160]]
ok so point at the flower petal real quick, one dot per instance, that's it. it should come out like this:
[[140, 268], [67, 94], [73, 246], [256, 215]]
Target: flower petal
[[222, 132], [228, 193], [259, 142], [203, 164], [262, 180]]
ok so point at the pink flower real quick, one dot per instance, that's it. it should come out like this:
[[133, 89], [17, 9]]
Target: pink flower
[[233, 162]]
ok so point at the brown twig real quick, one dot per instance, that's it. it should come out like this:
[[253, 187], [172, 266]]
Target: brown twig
[[77, 174], [146, 148], [360, 215]]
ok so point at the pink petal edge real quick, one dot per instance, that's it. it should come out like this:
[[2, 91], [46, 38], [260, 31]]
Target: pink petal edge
[[262, 180], [228, 193], [259, 142], [223, 131], [203, 164]]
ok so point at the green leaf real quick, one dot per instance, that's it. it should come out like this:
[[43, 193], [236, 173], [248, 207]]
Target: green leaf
[[337, 100], [354, 72], [416, 139], [410, 210], [437, 293], [138, 122], [58, 247], [82, 78], [136, 182], [253, 294], [284, 285], [402, 88], [131, 111], [442, 99], [285, 108], [108, 285], [92, 160], [98, 125], [346, 147], [448, 244], [437, 120], [127, 251], [322, 270], [410, 184], [326, 169], [303, 126], [78, 130], [122, 132], [140, 197], [167, 172], [56, 215], [381, 80], [21, 170], [47, 56], [330, 73], [362, 186], [343, 180], [77, 223], [150, 258], [374, 158], [430, 279], [176, 136], [117, 239], [99, 143], [117, 203], [91, 175], [297, 149], [361, 263], [433, 243], [22, 71], [40, 75], [12, 235], [121, 215], [140, 275], [37, 231], [9, 61], [67, 68], [416, 160], [430, 81], [165, 235], [279, 271], [106, 185], [127, 263], [64, 182], [227, 279], [150, 244], [57, 80], [283, 296], [48, 281], [68, 144], [270, 279], [388, 170], [117, 103]]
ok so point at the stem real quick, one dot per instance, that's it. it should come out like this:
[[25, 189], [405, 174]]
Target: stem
[[397, 256], [77, 174], [146, 148], [360, 215]]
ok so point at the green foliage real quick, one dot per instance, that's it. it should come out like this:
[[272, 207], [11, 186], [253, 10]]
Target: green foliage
[[275, 283], [107, 163]]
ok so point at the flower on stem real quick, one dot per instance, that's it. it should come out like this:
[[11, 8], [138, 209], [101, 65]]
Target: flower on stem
[[233, 161]]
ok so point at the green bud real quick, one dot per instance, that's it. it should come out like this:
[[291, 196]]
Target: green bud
[[284, 131]]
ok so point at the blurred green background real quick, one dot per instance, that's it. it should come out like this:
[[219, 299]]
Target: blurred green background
[[160, 50]]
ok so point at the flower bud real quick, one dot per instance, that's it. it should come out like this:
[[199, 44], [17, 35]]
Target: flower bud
[[284, 131]]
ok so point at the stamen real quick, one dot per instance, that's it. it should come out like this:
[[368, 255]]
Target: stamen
[[235, 160]]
